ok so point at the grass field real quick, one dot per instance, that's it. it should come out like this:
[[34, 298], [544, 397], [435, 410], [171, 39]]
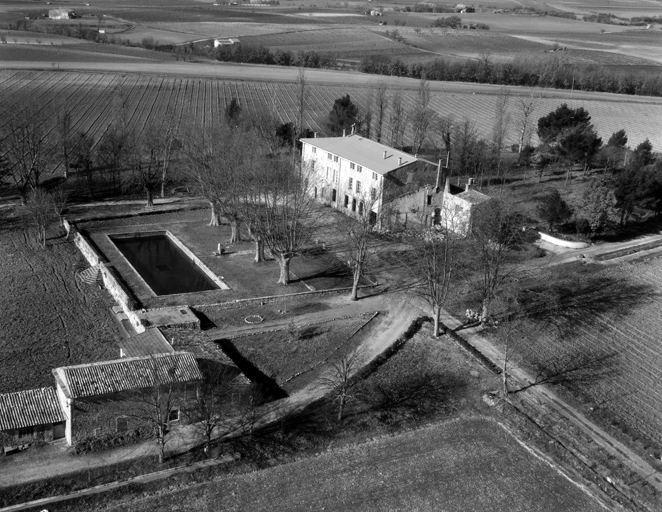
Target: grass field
[[49, 317], [462, 465]]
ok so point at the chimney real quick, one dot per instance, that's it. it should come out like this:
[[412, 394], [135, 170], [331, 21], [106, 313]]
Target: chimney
[[399, 160], [447, 185], [384, 155], [343, 133], [353, 128], [315, 134], [470, 182], [436, 185]]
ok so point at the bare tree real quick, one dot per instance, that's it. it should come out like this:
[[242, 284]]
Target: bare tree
[[114, 150], [27, 149], [302, 103], [357, 234], [381, 105], [41, 211], [500, 129], [220, 161], [65, 138], [278, 203], [437, 262], [169, 146], [422, 116], [339, 378], [445, 126], [83, 158], [159, 404], [398, 120], [496, 231], [526, 107]]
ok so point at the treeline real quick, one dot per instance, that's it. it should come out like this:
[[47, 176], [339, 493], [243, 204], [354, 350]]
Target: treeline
[[551, 71]]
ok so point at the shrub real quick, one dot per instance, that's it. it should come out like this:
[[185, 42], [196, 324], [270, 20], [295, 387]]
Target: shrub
[[109, 440]]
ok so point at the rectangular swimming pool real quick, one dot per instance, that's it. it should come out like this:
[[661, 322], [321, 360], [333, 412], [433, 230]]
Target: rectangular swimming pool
[[165, 268]]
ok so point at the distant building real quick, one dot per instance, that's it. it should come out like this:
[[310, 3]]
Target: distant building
[[225, 41], [461, 8], [353, 172], [60, 14]]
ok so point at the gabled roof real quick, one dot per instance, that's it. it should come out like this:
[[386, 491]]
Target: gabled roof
[[364, 152], [29, 408], [129, 373], [473, 196]]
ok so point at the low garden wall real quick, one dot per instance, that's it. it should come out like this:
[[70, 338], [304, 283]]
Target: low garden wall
[[563, 243]]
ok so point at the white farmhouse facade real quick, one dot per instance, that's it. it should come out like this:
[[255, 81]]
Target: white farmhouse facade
[[351, 172]]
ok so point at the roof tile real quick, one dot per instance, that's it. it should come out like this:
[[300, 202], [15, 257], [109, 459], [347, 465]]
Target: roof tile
[[29, 408]]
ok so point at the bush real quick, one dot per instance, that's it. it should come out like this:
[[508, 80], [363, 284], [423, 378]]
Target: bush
[[110, 440]]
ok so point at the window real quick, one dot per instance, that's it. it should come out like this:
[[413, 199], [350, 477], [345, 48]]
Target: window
[[373, 193], [122, 423], [374, 176], [173, 415], [25, 433], [327, 173], [314, 149], [328, 156], [346, 200], [351, 184], [333, 195], [359, 168], [335, 175], [358, 187], [335, 158], [353, 204], [429, 200], [360, 207], [351, 166]]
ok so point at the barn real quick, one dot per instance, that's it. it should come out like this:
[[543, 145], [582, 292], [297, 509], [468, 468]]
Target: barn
[[60, 14]]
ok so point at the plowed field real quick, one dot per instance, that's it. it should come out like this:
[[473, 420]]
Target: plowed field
[[94, 98], [48, 316]]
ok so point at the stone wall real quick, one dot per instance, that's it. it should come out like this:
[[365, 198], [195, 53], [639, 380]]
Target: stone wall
[[98, 415]]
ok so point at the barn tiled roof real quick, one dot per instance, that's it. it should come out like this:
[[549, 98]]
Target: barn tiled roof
[[29, 408], [364, 152], [126, 374]]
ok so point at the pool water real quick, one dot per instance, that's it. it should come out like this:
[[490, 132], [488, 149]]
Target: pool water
[[165, 267]]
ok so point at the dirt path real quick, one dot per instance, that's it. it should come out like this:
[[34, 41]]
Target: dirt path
[[574, 418], [56, 462]]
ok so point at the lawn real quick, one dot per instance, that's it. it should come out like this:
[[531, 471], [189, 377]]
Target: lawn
[[315, 268], [49, 317], [294, 356], [468, 464]]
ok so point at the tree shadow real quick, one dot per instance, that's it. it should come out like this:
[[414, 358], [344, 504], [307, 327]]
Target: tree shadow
[[270, 387], [567, 303]]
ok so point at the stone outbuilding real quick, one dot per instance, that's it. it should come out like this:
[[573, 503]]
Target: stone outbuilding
[[122, 395], [29, 415]]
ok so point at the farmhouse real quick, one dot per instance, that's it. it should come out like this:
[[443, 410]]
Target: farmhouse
[[60, 14], [352, 173], [29, 415], [122, 395], [462, 9]]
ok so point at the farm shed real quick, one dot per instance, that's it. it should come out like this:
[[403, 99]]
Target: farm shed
[[353, 171], [60, 14], [121, 395], [150, 342], [29, 415]]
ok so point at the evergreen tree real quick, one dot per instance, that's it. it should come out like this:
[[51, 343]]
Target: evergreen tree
[[343, 115], [553, 210]]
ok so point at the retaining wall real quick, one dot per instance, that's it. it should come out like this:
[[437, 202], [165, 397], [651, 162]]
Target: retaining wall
[[563, 243]]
